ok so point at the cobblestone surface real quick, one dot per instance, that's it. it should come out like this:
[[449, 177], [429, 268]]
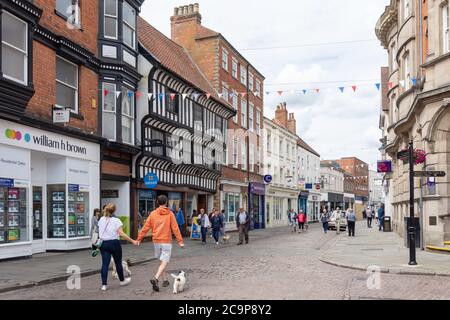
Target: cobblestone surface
[[280, 266]]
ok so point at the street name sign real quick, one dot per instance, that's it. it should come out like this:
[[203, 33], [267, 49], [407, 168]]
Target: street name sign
[[429, 174]]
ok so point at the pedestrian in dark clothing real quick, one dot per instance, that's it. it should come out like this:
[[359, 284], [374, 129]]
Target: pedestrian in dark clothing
[[216, 225], [351, 221], [324, 218], [380, 217], [243, 225]]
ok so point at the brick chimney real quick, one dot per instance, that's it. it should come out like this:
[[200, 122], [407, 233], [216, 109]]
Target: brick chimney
[[281, 115], [292, 124], [184, 24]]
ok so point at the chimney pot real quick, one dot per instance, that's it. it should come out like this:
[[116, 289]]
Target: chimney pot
[[191, 8], [175, 11], [196, 7]]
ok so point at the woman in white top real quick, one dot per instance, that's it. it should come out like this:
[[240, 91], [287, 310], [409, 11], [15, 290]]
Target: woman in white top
[[110, 230]]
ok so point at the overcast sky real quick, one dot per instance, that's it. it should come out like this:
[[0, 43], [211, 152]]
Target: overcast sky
[[335, 124]]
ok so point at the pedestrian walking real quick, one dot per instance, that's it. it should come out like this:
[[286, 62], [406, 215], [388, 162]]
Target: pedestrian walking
[[369, 216], [338, 220], [301, 221], [216, 225], [222, 217], [94, 231], [293, 219], [110, 230], [180, 220], [381, 217], [324, 218], [243, 225], [163, 224], [351, 221], [204, 224]]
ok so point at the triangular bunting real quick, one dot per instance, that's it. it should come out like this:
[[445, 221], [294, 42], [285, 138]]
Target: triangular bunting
[[280, 93], [342, 89], [150, 95], [243, 94], [231, 95], [138, 94], [402, 83], [162, 96], [118, 93], [378, 85], [354, 88], [130, 94], [304, 91], [317, 90], [208, 95], [105, 92], [184, 96], [390, 84], [267, 92], [172, 96], [196, 95], [220, 95], [414, 81]]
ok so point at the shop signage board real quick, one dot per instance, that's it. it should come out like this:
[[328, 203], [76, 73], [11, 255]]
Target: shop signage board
[[110, 194], [74, 188], [8, 183], [268, 178], [61, 116], [195, 229], [151, 180], [384, 166]]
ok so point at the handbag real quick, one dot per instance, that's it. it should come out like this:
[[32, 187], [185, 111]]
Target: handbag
[[99, 242]]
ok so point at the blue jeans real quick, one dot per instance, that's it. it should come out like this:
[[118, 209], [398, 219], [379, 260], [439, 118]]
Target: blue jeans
[[111, 248], [204, 231], [216, 234], [325, 226]]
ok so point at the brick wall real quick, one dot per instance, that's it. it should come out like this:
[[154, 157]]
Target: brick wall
[[87, 37], [350, 165], [44, 78]]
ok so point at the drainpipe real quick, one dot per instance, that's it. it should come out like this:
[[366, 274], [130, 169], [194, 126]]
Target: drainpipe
[[420, 75]]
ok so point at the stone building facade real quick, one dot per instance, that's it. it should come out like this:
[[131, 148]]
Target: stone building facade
[[416, 37]]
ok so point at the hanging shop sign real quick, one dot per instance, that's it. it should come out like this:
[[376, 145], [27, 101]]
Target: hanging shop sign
[[268, 178], [61, 116], [151, 180], [384, 166]]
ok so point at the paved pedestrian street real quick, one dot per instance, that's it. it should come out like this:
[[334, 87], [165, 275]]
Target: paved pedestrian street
[[277, 264]]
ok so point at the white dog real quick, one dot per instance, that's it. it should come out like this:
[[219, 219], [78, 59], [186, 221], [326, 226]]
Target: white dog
[[180, 281], [226, 238], [126, 268]]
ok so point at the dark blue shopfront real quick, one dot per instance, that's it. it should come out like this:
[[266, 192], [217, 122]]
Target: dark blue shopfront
[[256, 205], [303, 201]]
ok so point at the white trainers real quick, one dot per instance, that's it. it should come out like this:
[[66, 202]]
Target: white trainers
[[217, 243], [103, 288], [125, 282]]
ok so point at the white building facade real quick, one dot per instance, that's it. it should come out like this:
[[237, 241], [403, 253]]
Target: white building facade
[[332, 183], [308, 173], [280, 150]]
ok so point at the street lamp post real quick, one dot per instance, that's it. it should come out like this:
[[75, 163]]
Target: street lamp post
[[412, 227]]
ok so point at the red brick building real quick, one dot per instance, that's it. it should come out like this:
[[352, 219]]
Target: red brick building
[[239, 83], [56, 56]]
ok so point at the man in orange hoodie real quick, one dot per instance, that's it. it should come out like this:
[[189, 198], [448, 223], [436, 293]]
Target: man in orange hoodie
[[163, 223]]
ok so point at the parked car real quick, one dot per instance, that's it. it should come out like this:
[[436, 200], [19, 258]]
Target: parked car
[[332, 222]]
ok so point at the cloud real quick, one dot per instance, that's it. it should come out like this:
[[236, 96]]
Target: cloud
[[335, 124]]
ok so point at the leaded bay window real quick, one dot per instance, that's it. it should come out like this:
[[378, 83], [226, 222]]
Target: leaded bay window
[[129, 25], [66, 84], [109, 111], [14, 48], [127, 116], [111, 14]]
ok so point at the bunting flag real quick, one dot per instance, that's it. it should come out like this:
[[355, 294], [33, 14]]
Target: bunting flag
[[390, 84], [342, 89], [220, 95], [105, 92], [243, 94], [267, 92], [162, 96], [172, 96], [150, 95], [317, 90], [402, 83], [354, 88], [184, 95], [231, 95], [378, 85], [118, 93], [208, 95], [280, 93], [305, 91], [414, 81], [138, 94], [130, 94], [196, 95]]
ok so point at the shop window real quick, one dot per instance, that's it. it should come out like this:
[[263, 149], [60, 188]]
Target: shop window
[[78, 212], [70, 10], [56, 208], [14, 48], [129, 25], [13, 215], [37, 213], [175, 201], [109, 111], [231, 206], [110, 19], [127, 116], [66, 84]]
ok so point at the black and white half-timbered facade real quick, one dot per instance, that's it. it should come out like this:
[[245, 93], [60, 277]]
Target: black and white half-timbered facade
[[183, 125]]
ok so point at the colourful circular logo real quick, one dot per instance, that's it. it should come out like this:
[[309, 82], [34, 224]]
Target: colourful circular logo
[[17, 135]]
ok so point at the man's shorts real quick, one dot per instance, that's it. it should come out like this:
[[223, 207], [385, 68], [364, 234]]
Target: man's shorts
[[163, 251]]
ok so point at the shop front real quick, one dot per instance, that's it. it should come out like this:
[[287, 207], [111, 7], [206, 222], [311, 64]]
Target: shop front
[[303, 201], [49, 184], [279, 201], [231, 199], [256, 205], [349, 201], [313, 207], [331, 201]]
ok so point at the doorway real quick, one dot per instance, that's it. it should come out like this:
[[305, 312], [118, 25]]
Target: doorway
[[202, 203], [39, 225]]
